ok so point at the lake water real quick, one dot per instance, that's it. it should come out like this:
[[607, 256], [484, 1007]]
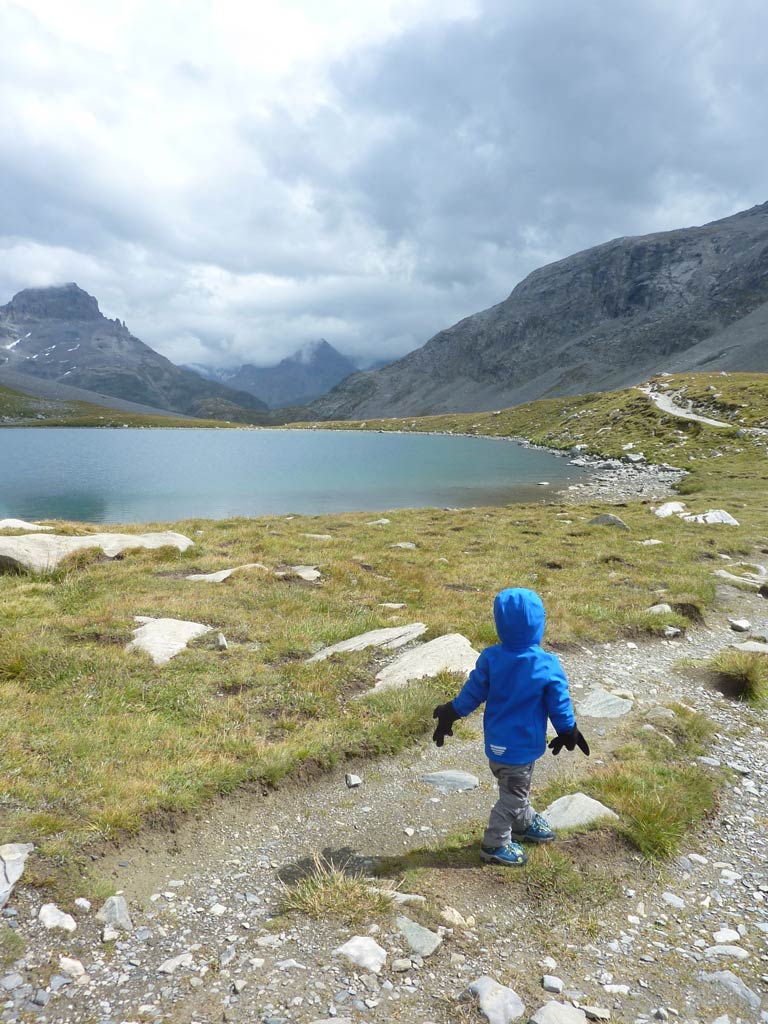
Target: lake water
[[146, 475]]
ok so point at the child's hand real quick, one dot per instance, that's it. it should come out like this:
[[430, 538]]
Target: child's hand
[[569, 740], [446, 716]]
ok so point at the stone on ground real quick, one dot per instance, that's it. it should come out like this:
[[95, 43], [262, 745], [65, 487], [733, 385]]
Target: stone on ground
[[740, 625], [20, 524], [731, 577], [163, 639], [363, 951], [222, 574], [388, 639], [449, 653], [669, 508], [575, 810], [392, 605], [712, 515], [407, 545], [499, 1004], [43, 553], [733, 985], [50, 916], [451, 780], [659, 609], [378, 522], [558, 1013], [602, 704], [13, 856], [115, 913], [751, 647], [551, 983], [421, 940], [171, 965], [308, 573], [608, 519], [599, 1013]]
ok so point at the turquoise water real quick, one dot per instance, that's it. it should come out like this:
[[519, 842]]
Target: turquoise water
[[147, 475]]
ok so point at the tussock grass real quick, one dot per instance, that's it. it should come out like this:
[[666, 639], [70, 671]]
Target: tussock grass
[[331, 891], [742, 675], [11, 946]]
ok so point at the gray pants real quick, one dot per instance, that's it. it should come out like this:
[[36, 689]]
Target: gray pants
[[512, 812]]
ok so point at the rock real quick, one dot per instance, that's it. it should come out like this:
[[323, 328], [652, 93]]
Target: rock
[[50, 916], [454, 919], [407, 545], [82, 905], [577, 810], [43, 553], [378, 522], [11, 981], [733, 952], [740, 625], [599, 1013], [363, 951], [727, 935], [669, 508], [221, 642], [115, 912], [734, 985], [421, 940], [731, 577], [20, 524], [751, 647], [451, 781], [602, 704], [660, 715], [671, 631], [352, 781], [110, 933], [401, 965], [712, 515], [650, 543], [163, 639], [558, 1013], [308, 573], [449, 653], [499, 1004], [551, 983], [608, 519], [172, 965], [673, 901], [659, 609], [13, 857], [70, 966], [398, 897], [392, 605], [387, 639], [317, 536], [222, 574]]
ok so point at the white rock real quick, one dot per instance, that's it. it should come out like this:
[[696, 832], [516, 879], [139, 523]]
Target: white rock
[[308, 573], [400, 898], [727, 935], [421, 940], [551, 983], [222, 574], [734, 952], [558, 1013], [317, 536], [50, 916], [352, 781], [171, 966], [650, 543], [733, 985], [672, 900], [13, 857], [669, 508], [740, 625], [388, 639], [43, 553], [163, 639], [731, 577], [712, 515], [20, 524], [115, 913], [82, 905], [451, 780], [363, 951], [575, 810], [392, 605], [499, 1004], [378, 522], [407, 545], [453, 918], [449, 653], [71, 967], [751, 647], [548, 964], [602, 704], [659, 609]]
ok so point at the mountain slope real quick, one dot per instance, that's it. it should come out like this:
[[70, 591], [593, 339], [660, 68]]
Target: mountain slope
[[60, 334], [608, 317], [295, 380]]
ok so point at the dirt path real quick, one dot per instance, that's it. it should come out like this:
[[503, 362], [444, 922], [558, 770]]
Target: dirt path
[[667, 404], [212, 889]]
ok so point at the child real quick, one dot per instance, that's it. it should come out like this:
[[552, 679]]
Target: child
[[522, 685]]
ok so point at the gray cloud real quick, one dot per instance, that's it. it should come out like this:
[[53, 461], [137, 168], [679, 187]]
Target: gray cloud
[[377, 197]]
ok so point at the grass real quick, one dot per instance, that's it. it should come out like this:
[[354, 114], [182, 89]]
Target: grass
[[96, 742], [742, 675], [332, 891], [11, 946]]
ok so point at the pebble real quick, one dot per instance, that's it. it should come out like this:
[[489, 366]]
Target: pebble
[[551, 983]]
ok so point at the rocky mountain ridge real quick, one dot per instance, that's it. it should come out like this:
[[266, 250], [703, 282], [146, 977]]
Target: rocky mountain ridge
[[608, 317], [59, 334]]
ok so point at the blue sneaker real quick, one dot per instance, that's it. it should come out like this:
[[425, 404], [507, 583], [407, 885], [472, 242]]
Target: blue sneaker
[[509, 856], [538, 831]]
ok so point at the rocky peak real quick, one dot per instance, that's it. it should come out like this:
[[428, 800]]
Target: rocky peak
[[59, 302]]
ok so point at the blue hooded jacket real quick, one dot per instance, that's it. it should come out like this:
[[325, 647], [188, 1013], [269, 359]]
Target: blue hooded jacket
[[521, 684]]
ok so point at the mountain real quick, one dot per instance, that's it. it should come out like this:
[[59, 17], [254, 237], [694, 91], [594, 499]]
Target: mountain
[[608, 317], [296, 380], [60, 334]]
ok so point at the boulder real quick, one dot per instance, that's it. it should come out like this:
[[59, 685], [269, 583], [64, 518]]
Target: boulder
[[669, 508], [222, 574], [41, 554], [422, 941], [751, 647], [50, 916], [577, 810], [449, 653], [602, 704], [363, 951], [163, 639], [498, 1004], [451, 780], [13, 857], [712, 515], [20, 524], [731, 577], [733, 985], [608, 519], [740, 625], [115, 913], [558, 1013], [387, 639]]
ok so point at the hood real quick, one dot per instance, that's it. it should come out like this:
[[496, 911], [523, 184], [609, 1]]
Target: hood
[[519, 616]]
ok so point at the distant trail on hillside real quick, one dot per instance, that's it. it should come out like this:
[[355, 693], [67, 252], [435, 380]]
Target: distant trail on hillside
[[667, 404]]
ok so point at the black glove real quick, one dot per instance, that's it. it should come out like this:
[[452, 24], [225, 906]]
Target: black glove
[[446, 715], [569, 740]]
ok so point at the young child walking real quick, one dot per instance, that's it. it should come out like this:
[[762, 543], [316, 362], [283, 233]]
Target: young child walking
[[522, 686]]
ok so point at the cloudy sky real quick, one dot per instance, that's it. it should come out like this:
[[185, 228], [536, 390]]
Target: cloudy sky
[[236, 178]]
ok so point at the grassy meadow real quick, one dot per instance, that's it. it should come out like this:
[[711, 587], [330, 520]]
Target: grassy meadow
[[97, 742]]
